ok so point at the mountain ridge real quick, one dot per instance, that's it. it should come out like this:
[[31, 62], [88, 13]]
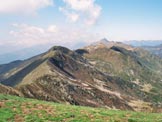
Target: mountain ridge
[[111, 75]]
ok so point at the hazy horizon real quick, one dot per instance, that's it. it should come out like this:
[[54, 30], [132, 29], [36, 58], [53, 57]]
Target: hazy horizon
[[74, 23]]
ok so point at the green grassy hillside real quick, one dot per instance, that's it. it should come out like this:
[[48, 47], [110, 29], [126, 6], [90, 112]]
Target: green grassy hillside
[[17, 109]]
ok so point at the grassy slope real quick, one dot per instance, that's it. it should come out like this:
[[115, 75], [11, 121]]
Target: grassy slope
[[16, 109]]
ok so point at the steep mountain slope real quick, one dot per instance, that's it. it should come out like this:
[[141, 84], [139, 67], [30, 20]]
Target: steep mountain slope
[[109, 74], [7, 67], [7, 71], [140, 71], [9, 90], [62, 75], [22, 54]]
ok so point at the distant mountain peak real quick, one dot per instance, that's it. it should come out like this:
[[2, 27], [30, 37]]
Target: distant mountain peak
[[104, 40], [104, 43]]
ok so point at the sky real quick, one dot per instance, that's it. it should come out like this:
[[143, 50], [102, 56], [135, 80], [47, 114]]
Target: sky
[[25, 24]]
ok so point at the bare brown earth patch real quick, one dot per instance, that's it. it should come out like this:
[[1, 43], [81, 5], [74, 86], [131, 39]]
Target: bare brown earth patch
[[18, 118], [2, 104]]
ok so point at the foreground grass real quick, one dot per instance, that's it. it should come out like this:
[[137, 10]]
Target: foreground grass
[[16, 109]]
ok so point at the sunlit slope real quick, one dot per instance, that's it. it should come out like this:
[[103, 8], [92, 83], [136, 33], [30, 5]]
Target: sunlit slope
[[19, 109]]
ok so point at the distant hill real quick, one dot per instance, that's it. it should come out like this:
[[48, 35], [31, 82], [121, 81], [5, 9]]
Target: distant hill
[[153, 46], [26, 53], [141, 43], [157, 50]]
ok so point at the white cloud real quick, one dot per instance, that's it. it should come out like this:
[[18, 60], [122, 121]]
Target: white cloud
[[24, 36], [85, 10], [52, 29], [23, 6], [73, 16], [27, 35]]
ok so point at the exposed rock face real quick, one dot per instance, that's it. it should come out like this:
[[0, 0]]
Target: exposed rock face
[[9, 90], [140, 71], [101, 75], [66, 91]]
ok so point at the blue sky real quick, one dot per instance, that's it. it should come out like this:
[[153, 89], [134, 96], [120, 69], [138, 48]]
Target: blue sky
[[27, 24]]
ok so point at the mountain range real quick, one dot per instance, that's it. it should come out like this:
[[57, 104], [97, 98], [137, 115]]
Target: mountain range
[[25, 53], [157, 50], [141, 43], [104, 74]]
